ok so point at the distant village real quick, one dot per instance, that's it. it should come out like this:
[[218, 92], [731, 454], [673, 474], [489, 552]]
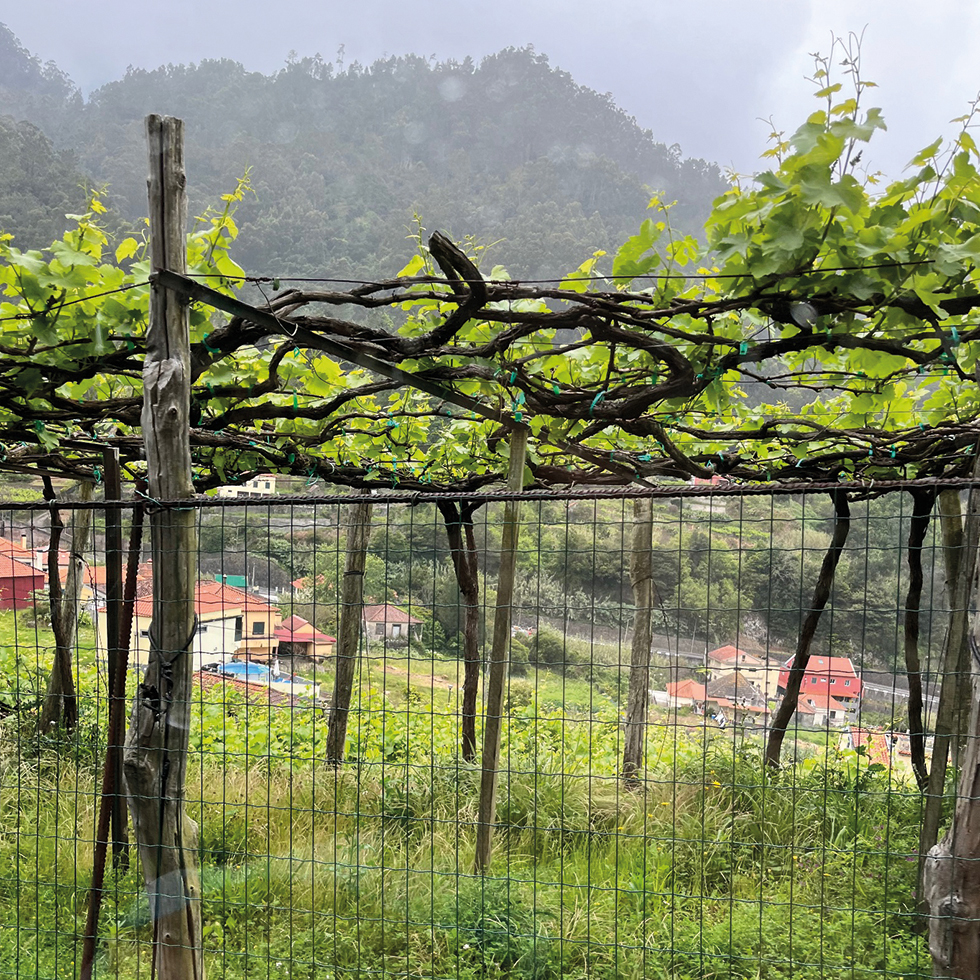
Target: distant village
[[242, 640], [741, 688]]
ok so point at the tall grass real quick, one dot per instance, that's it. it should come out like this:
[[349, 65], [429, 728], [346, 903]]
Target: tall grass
[[711, 868]]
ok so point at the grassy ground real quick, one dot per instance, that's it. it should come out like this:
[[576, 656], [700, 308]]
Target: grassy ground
[[708, 868]]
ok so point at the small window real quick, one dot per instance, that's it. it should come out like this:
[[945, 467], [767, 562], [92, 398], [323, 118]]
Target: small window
[[238, 628], [268, 485], [145, 634], [847, 683], [202, 628], [258, 627], [380, 629]]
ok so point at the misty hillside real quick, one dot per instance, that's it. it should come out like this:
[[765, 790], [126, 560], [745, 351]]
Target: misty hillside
[[341, 158]]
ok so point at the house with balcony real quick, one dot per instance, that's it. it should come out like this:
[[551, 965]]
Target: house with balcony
[[727, 660]]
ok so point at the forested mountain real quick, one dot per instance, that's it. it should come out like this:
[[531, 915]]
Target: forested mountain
[[340, 160]]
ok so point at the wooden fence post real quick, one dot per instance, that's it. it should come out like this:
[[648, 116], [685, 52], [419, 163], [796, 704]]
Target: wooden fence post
[[494, 715], [351, 625], [155, 759], [641, 578]]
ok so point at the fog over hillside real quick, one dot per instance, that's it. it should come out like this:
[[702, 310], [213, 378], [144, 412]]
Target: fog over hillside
[[509, 150]]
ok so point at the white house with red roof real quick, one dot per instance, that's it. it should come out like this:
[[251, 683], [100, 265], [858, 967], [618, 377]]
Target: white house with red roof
[[828, 712], [390, 622], [826, 675], [685, 694]]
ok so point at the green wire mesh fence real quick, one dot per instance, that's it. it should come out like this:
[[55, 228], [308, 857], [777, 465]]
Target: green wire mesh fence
[[705, 864]]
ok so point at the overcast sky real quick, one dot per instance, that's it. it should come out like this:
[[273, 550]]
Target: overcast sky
[[699, 73]]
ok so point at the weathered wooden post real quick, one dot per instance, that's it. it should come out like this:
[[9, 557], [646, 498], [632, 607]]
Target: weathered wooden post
[[641, 578], [155, 758], [494, 716], [951, 874], [351, 625]]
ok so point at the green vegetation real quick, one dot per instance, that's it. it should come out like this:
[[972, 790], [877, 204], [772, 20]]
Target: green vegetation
[[342, 158], [713, 868]]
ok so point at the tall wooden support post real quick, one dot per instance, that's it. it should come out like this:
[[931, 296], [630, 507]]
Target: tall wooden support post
[[349, 630], [155, 759], [951, 876], [114, 640], [494, 715], [641, 578]]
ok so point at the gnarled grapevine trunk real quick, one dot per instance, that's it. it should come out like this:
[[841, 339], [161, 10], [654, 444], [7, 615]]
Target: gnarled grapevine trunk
[[462, 548], [821, 595], [351, 625], [61, 702]]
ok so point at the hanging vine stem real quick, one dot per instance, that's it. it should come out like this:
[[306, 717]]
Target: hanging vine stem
[[922, 503]]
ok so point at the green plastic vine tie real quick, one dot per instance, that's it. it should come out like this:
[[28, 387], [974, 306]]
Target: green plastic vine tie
[[956, 337], [97, 473], [595, 401], [513, 377], [556, 389], [207, 346], [743, 348]]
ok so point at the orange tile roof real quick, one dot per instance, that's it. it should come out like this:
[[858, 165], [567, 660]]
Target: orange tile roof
[[94, 575], [299, 630], [11, 568], [210, 597], [874, 744], [728, 653], [13, 550], [825, 701], [686, 689]]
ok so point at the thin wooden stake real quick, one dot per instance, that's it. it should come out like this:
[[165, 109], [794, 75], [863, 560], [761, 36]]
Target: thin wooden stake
[[494, 716], [114, 641], [155, 759]]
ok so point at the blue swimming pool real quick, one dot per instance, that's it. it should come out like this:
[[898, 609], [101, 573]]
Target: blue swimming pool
[[257, 672]]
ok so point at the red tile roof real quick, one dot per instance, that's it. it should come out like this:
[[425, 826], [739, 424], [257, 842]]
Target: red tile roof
[[256, 693], [732, 654], [210, 597], [874, 744], [686, 689], [11, 549], [385, 613], [299, 630], [11, 568], [93, 575]]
